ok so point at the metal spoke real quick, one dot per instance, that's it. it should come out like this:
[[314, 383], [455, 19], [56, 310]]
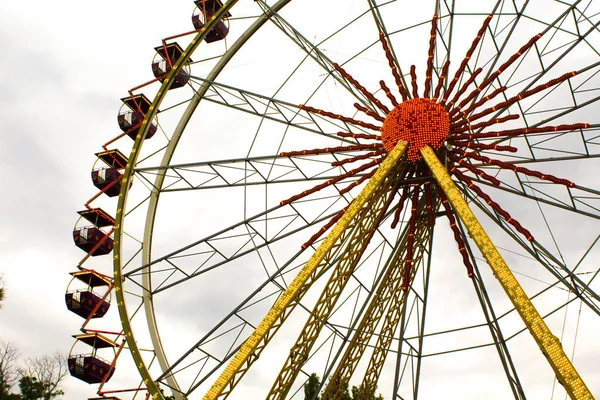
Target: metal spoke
[[272, 109], [545, 258], [312, 51], [242, 172], [580, 200]]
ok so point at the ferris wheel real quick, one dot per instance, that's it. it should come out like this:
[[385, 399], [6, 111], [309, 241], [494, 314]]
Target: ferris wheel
[[393, 197]]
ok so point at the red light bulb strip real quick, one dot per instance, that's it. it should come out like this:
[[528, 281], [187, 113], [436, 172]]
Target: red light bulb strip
[[521, 96], [361, 88], [358, 158], [410, 241], [338, 117], [464, 87], [359, 135], [460, 128], [331, 150], [442, 79], [429, 204], [474, 170], [331, 181], [357, 182], [464, 62], [400, 207], [507, 64], [392, 64], [325, 227], [495, 206], [483, 146], [512, 167], [522, 131], [413, 82], [369, 112], [477, 104], [430, 55], [388, 93], [457, 235]]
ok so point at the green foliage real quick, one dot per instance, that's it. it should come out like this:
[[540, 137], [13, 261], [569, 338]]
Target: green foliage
[[4, 387], [8, 375], [32, 389], [42, 376], [2, 293], [163, 393], [358, 394], [10, 396], [39, 378], [311, 390]]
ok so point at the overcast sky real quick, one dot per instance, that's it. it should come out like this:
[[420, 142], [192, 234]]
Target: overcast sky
[[65, 65]]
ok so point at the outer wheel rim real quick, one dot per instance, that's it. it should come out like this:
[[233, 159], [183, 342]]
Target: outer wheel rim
[[140, 364]]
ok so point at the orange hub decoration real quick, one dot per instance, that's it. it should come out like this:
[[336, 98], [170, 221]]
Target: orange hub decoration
[[419, 122]]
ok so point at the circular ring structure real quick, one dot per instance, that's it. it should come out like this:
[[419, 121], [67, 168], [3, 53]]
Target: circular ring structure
[[322, 223]]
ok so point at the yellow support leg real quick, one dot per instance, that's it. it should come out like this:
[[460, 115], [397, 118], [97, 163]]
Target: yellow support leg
[[548, 343], [246, 353]]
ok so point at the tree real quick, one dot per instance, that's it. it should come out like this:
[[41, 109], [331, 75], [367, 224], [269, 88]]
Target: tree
[[12, 396], [8, 373], [358, 394], [171, 397], [2, 290], [41, 377], [311, 390], [31, 388], [344, 395]]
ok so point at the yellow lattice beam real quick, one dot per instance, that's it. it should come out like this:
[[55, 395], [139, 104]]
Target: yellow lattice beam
[[394, 312], [548, 343], [367, 222], [231, 373]]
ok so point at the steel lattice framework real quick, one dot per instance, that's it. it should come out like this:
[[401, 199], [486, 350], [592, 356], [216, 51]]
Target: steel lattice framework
[[314, 197]]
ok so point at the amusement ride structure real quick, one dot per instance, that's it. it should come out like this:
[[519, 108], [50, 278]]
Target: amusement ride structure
[[398, 197]]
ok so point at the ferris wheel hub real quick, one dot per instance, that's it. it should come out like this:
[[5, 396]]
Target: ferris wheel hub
[[420, 122]]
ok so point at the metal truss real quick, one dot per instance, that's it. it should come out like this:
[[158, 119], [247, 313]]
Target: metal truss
[[565, 275], [378, 190], [397, 314], [312, 51], [367, 222], [255, 234], [271, 108], [242, 172], [548, 343], [387, 297], [215, 250]]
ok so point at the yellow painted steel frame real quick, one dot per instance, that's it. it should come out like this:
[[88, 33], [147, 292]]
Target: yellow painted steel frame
[[548, 343], [136, 354], [351, 250], [386, 303], [393, 314], [247, 349]]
